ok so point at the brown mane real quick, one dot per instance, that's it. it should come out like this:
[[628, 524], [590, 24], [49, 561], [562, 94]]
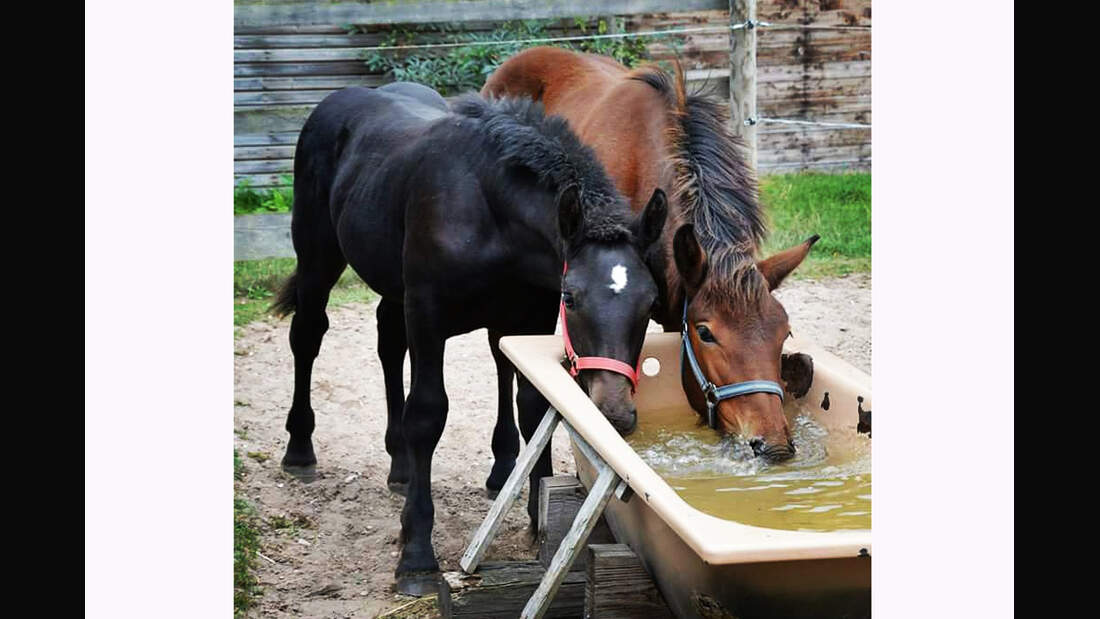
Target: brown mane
[[714, 187]]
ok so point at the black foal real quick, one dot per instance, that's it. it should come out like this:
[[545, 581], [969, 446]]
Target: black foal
[[460, 218]]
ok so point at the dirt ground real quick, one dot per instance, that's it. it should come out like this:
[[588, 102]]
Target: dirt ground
[[329, 547]]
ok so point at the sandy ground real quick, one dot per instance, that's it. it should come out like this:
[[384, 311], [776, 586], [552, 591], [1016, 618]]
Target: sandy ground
[[329, 547]]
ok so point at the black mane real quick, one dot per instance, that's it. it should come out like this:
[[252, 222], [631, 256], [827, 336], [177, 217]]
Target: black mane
[[524, 135]]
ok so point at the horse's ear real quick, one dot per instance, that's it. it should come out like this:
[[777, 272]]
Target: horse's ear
[[691, 260], [779, 266], [653, 218], [570, 217]]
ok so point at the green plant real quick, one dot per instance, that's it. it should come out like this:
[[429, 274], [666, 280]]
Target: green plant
[[455, 69], [278, 199]]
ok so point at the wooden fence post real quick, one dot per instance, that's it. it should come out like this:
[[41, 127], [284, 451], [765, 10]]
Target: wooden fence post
[[743, 73]]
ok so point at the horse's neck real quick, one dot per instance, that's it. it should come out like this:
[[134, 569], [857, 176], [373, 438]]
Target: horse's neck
[[532, 234]]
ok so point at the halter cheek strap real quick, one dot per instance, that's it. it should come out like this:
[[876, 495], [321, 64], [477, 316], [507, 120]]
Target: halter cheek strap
[[576, 364], [713, 393]]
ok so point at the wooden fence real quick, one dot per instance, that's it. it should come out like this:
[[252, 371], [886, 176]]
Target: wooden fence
[[290, 55]]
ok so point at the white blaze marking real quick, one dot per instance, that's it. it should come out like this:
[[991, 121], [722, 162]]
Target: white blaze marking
[[618, 278]]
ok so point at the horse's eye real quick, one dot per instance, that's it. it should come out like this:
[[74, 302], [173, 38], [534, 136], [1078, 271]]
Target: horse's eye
[[567, 298], [705, 334]]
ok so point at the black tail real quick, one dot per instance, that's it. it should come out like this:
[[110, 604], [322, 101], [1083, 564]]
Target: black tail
[[287, 301]]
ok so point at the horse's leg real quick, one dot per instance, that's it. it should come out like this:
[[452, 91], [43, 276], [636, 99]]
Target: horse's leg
[[505, 436], [423, 420], [392, 345], [532, 408], [313, 279]]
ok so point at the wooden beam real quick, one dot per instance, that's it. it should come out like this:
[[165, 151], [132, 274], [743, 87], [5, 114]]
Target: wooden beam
[[573, 541], [560, 499], [617, 586], [246, 15], [262, 236], [499, 590]]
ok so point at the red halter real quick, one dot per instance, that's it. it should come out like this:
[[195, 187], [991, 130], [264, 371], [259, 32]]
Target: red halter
[[576, 364]]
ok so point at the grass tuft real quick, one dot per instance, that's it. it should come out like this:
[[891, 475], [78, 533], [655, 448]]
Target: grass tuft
[[246, 545], [255, 283]]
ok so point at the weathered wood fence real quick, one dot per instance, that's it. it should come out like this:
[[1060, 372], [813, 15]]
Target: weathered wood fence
[[288, 55]]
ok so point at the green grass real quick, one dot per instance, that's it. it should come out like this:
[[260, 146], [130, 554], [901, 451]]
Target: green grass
[[246, 545], [836, 206], [256, 282]]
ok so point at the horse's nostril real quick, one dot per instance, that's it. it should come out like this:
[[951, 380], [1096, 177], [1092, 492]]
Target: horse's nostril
[[757, 446]]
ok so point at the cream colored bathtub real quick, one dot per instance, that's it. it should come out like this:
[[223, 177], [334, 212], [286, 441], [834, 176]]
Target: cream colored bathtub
[[706, 566]]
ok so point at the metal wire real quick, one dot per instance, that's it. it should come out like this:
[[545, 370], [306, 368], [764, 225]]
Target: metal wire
[[621, 35], [581, 37], [815, 123]]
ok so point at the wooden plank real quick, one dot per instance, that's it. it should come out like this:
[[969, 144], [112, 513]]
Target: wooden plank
[[260, 181], [263, 166], [281, 97], [617, 586], [287, 69], [586, 519], [560, 498], [825, 70], [499, 590], [298, 55], [510, 492], [822, 153], [266, 139], [272, 41], [813, 139], [839, 166], [270, 120], [323, 82], [266, 15], [244, 153], [256, 237]]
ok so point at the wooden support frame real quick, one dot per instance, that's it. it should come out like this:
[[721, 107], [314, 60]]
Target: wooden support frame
[[510, 492], [607, 483]]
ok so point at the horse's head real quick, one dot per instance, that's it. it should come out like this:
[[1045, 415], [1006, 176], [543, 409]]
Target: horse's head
[[736, 330], [608, 295]]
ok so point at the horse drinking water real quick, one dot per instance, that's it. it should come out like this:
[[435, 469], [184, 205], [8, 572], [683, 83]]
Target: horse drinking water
[[648, 132], [460, 219]]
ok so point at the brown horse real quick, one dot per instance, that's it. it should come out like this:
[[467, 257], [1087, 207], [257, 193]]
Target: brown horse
[[649, 133]]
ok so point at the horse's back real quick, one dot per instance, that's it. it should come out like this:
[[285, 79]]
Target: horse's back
[[349, 161], [543, 73], [418, 92]]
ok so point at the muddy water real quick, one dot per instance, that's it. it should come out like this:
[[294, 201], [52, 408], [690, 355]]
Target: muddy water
[[826, 486]]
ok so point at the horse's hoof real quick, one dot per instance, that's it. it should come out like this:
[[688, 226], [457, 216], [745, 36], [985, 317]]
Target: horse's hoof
[[304, 474], [418, 583], [492, 493], [398, 487]]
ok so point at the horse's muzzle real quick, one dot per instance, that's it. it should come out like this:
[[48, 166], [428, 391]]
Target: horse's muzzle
[[611, 393], [772, 453]]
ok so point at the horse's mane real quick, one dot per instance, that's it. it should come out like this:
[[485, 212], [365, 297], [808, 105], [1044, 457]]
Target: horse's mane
[[714, 186], [523, 135]]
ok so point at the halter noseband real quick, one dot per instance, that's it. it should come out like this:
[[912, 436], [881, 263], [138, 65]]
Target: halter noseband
[[576, 364], [713, 393]]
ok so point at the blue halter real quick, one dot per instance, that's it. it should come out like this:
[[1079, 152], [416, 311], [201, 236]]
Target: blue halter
[[713, 393]]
